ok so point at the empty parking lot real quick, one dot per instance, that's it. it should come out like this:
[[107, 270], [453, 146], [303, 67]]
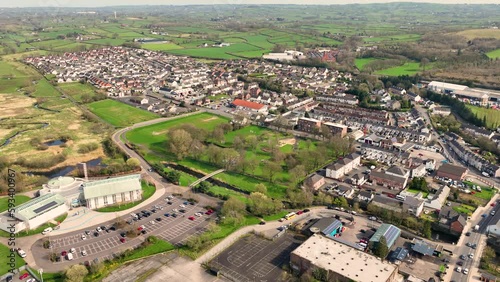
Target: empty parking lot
[[255, 259]]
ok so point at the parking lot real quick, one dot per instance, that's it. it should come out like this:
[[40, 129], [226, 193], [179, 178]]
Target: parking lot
[[175, 230], [255, 259]]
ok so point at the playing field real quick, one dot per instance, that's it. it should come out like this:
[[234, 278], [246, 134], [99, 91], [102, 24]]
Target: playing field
[[406, 69], [492, 115], [119, 114]]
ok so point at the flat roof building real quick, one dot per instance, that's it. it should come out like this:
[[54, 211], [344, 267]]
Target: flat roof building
[[113, 191], [342, 262], [35, 212]]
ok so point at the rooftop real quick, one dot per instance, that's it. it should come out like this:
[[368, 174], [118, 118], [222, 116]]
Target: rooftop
[[112, 186], [389, 231], [40, 205], [452, 169], [344, 260], [247, 104]]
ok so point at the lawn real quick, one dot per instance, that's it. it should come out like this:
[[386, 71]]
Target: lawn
[[414, 191], [221, 191], [4, 259], [18, 200], [406, 69], [158, 246], [119, 114], [361, 62], [486, 192], [147, 192], [494, 54], [465, 209], [492, 115]]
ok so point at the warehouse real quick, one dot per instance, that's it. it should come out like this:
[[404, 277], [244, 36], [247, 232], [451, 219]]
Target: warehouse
[[342, 262]]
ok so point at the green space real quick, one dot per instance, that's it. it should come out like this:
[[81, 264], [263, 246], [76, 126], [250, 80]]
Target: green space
[[224, 192], [161, 46], [464, 209], [486, 192], [492, 115], [156, 246], [147, 192], [5, 252], [43, 88], [494, 54], [411, 68], [219, 52], [276, 216], [361, 62], [185, 180], [119, 114], [78, 91], [18, 200]]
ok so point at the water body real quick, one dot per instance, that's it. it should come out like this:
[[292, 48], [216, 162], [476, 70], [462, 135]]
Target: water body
[[62, 171], [9, 139], [46, 109], [54, 143]]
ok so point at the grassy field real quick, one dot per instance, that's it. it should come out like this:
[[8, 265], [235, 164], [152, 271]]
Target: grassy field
[[480, 33], [161, 46], [465, 209], [119, 114], [19, 199], [221, 191], [492, 115], [77, 90], [494, 54], [361, 62], [220, 52], [147, 192], [4, 259], [406, 69]]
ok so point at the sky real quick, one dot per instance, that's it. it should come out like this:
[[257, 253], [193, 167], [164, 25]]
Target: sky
[[101, 3]]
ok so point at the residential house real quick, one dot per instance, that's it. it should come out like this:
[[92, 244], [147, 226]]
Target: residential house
[[442, 111], [308, 125], [413, 205], [345, 191], [343, 166], [388, 180], [366, 196], [438, 200], [451, 221], [452, 171], [393, 105], [336, 129], [315, 181]]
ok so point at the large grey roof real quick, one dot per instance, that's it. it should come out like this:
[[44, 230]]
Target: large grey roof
[[112, 186]]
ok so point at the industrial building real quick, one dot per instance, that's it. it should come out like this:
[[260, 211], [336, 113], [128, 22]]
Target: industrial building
[[342, 262]]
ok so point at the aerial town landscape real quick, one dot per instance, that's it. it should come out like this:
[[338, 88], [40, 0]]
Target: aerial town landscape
[[244, 142]]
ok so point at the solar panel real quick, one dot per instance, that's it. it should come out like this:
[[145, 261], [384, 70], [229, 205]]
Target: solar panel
[[45, 207]]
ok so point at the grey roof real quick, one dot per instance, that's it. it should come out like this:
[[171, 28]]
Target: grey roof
[[315, 178], [112, 186], [366, 194], [397, 170], [452, 169], [382, 175], [37, 206], [330, 228], [323, 223], [399, 254], [412, 201], [421, 247]]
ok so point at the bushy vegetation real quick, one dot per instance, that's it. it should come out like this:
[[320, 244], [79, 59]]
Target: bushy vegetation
[[88, 147]]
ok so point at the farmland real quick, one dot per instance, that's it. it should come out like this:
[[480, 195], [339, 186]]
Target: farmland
[[361, 62], [492, 115], [119, 114], [405, 69]]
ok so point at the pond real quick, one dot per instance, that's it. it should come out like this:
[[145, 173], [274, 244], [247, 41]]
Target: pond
[[54, 143], [62, 171]]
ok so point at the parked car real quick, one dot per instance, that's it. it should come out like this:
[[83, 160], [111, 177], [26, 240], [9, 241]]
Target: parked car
[[84, 252], [64, 253], [460, 262], [84, 237], [191, 218], [123, 234], [466, 271], [306, 210], [299, 212], [372, 218], [21, 253], [98, 229], [167, 215], [24, 276], [122, 240], [158, 219], [72, 250]]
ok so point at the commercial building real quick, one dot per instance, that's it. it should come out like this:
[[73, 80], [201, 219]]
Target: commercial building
[[34, 213], [389, 231], [453, 172], [69, 187], [250, 106], [342, 262], [444, 87], [113, 191], [328, 226]]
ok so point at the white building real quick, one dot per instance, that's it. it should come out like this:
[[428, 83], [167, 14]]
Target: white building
[[34, 213], [102, 193], [343, 166], [69, 187], [444, 87]]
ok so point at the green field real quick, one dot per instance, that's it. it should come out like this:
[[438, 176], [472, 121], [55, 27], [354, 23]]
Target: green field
[[406, 69], [4, 259], [494, 54], [19, 199], [77, 90], [492, 115], [161, 46], [119, 114], [221, 191], [220, 52], [361, 62]]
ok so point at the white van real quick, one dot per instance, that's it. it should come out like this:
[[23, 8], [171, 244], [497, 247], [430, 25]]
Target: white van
[[69, 256], [401, 197], [47, 230]]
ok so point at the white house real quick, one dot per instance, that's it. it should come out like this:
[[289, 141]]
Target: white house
[[343, 166]]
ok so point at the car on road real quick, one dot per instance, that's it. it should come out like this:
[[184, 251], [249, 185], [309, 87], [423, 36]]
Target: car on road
[[493, 204], [84, 252], [24, 276], [299, 212], [158, 219], [484, 215], [191, 218], [466, 271], [282, 219], [492, 212], [262, 223], [306, 210], [21, 253], [122, 240]]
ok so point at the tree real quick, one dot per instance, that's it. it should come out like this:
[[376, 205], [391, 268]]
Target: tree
[[381, 250], [233, 207], [261, 188], [423, 63], [173, 176], [271, 169], [340, 202], [426, 229], [260, 205], [229, 158], [133, 162], [76, 273], [251, 142], [296, 173], [179, 141], [218, 135]]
